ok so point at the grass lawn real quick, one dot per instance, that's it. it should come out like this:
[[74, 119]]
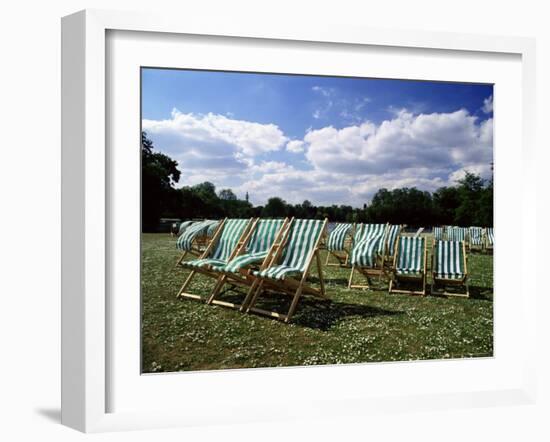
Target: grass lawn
[[355, 326]]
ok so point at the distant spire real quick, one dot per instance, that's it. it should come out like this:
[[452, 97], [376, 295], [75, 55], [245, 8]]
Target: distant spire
[[246, 197]]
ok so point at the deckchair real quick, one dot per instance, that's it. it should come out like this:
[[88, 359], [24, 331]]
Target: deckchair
[[393, 233], [449, 267], [289, 266], [367, 255], [489, 238], [194, 238], [455, 233], [438, 233], [338, 244], [228, 238], [252, 255], [183, 226], [409, 264], [475, 235]]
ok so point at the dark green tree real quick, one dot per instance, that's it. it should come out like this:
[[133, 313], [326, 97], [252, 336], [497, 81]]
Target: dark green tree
[[159, 173]]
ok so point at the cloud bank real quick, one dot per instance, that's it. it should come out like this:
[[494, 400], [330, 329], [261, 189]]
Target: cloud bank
[[328, 165]]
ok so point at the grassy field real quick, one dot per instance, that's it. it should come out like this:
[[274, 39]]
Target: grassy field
[[355, 326]]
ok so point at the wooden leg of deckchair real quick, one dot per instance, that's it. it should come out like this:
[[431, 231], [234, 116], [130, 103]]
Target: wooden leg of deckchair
[[186, 283], [390, 285], [351, 276], [181, 259], [217, 288], [294, 303], [328, 256], [320, 270], [252, 296]]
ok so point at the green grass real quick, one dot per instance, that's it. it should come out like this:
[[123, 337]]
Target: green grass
[[355, 326]]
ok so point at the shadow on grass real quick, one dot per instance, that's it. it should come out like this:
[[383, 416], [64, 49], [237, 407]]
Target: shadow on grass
[[476, 292], [320, 314]]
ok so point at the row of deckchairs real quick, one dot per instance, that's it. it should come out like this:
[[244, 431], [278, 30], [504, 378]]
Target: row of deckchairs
[[449, 267], [262, 255], [474, 237]]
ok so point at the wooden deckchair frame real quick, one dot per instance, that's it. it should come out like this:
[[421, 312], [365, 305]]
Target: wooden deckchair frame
[[341, 258], [289, 285], [244, 277], [368, 272], [450, 282], [199, 246], [205, 270], [396, 277]]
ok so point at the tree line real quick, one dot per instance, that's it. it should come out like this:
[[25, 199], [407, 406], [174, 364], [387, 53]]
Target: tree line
[[468, 203]]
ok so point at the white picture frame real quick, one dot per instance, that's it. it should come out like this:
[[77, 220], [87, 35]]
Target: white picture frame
[[86, 211]]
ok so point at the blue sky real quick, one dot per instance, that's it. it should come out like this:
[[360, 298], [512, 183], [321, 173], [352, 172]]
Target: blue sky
[[331, 140]]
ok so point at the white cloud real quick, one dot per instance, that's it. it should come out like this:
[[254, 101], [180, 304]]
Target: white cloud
[[342, 165], [214, 134], [295, 146], [487, 105], [407, 141]]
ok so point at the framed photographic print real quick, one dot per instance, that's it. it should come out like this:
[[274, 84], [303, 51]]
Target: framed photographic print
[[252, 214]]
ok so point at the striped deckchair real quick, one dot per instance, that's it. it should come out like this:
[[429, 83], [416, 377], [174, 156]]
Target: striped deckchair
[[489, 237], [475, 235], [338, 244], [455, 233], [393, 233], [449, 266], [183, 226], [409, 264], [438, 233], [289, 266], [251, 255], [228, 238], [367, 255], [193, 239]]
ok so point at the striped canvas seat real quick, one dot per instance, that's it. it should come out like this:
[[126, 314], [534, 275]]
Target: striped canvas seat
[[232, 231], [410, 256], [393, 233], [490, 235], [200, 228], [212, 228], [456, 233], [364, 252], [476, 236], [183, 226], [258, 246], [449, 260], [337, 238], [303, 236], [438, 233]]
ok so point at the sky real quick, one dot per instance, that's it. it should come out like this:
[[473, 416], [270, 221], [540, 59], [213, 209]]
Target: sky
[[330, 140]]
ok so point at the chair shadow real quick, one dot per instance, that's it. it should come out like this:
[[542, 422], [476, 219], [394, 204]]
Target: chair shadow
[[320, 314], [476, 292], [51, 414]]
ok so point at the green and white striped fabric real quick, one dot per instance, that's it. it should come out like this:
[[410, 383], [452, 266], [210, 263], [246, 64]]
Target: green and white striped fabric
[[490, 234], [449, 260], [337, 237], [410, 255], [303, 235], [212, 228], [183, 226], [227, 241], [258, 246], [393, 233], [199, 228], [365, 251], [366, 230], [455, 233], [476, 236], [438, 233]]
